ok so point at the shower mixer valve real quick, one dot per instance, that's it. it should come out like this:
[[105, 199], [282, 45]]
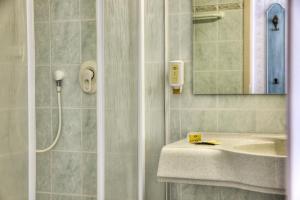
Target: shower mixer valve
[[87, 77]]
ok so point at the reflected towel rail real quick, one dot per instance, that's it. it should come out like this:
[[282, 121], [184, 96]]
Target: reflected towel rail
[[208, 16]]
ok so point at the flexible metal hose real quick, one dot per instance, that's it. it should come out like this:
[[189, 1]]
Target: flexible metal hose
[[59, 126]]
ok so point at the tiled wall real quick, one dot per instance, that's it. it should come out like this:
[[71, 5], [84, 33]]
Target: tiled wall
[[229, 113], [65, 34], [220, 113], [218, 50], [155, 83], [13, 101]]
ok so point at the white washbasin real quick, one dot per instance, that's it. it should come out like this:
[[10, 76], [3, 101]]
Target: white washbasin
[[253, 162], [268, 148]]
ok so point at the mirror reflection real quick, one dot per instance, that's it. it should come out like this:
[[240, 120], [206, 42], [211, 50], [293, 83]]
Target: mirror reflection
[[235, 52]]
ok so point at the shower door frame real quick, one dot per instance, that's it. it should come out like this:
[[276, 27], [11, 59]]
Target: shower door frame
[[101, 101], [31, 100]]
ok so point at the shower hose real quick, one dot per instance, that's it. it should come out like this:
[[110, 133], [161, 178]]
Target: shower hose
[[59, 126]]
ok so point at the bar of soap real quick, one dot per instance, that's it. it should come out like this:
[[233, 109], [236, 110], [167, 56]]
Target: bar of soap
[[194, 137]]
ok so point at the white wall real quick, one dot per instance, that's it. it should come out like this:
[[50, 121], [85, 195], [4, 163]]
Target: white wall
[[294, 105]]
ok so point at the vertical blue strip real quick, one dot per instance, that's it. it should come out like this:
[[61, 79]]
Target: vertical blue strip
[[276, 49]]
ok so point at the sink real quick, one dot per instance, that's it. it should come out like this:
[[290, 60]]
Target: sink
[[240, 161], [268, 148]]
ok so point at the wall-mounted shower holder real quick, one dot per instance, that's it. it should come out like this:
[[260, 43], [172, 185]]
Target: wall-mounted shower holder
[[87, 77]]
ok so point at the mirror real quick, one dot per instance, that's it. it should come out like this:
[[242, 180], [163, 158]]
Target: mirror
[[235, 52]]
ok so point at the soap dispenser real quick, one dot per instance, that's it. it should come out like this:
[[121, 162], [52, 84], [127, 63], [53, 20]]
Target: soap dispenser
[[176, 75]]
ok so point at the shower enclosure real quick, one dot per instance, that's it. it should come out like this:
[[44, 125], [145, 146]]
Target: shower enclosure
[[106, 149], [110, 140], [108, 145]]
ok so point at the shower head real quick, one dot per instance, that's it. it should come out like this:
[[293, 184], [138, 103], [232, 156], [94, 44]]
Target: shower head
[[58, 75]]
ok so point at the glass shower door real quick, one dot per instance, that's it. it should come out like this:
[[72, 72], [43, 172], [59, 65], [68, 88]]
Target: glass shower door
[[14, 123], [121, 99]]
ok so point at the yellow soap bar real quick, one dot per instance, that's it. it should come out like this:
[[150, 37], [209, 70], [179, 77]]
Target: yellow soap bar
[[195, 137]]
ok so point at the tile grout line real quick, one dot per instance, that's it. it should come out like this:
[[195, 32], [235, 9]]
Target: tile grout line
[[66, 194], [218, 113], [67, 151], [219, 70], [67, 20], [81, 103], [180, 97], [217, 64], [233, 109], [51, 98], [66, 108], [71, 20]]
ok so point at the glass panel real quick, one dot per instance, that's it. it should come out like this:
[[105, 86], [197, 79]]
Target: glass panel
[[154, 95], [121, 122], [65, 37], [13, 101]]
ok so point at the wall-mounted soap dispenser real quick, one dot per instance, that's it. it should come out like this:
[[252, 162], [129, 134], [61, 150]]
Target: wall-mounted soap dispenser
[[87, 77], [176, 76]]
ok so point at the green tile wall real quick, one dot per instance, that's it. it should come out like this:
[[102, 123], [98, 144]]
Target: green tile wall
[[213, 113], [65, 37], [65, 33]]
